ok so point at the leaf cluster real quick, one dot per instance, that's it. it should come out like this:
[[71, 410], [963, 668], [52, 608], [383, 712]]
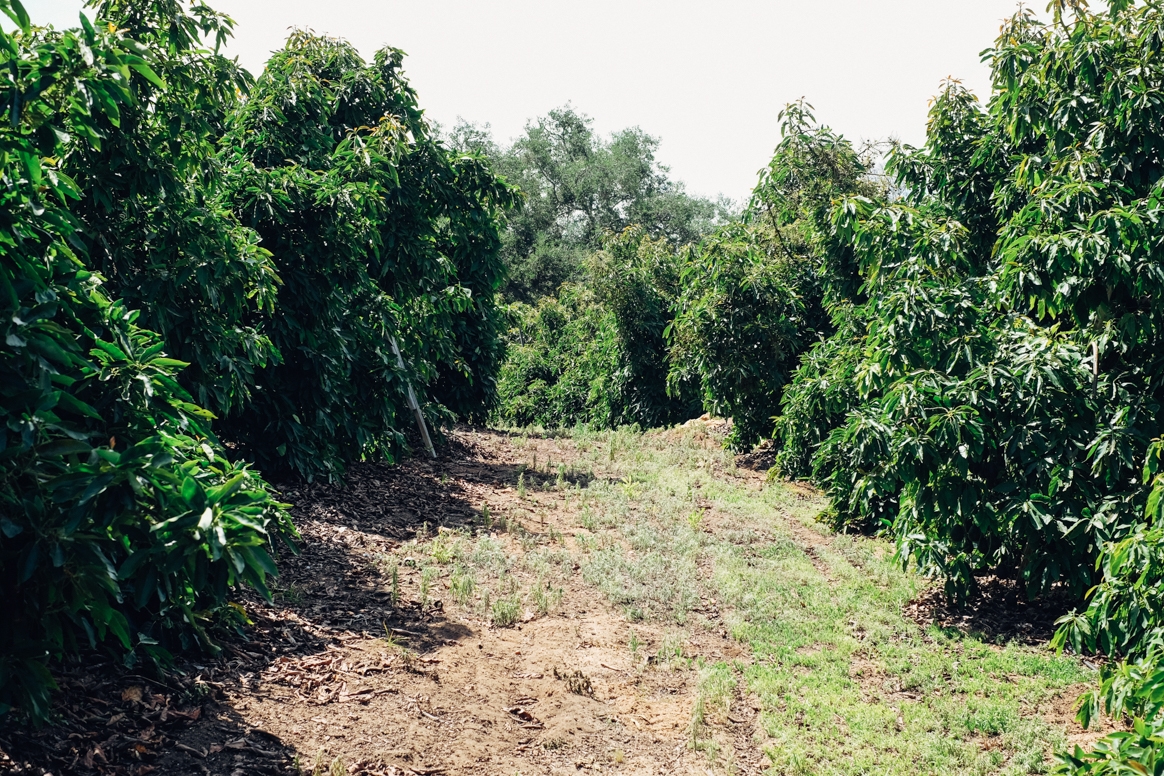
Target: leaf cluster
[[598, 355], [577, 188], [756, 293], [124, 523]]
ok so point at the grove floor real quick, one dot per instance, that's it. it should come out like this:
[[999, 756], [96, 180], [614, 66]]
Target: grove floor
[[610, 602]]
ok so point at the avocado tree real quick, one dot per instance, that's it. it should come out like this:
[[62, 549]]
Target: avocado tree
[[378, 233], [124, 524], [155, 219], [756, 293], [1008, 382]]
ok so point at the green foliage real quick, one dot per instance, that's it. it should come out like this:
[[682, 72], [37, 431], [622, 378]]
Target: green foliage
[[811, 167], [822, 392], [755, 294], [1124, 618], [638, 280], [1132, 690], [123, 523], [973, 424], [1124, 612], [738, 329], [155, 220], [1137, 752], [1006, 382], [561, 354], [1009, 378], [378, 232], [598, 355], [476, 202], [579, 188]]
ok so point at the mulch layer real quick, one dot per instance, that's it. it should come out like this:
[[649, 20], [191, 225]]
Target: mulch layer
[[112, 719], [761, 459]]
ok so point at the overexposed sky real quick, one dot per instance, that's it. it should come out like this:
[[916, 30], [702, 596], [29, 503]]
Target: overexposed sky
[[708, 78]]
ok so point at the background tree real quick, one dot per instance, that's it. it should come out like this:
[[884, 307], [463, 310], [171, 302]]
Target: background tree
[[579, 187], [561, 355], [639, 281], [596, 353], [737, 331]]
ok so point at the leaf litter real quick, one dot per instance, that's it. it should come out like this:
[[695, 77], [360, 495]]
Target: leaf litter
[[382, 652]]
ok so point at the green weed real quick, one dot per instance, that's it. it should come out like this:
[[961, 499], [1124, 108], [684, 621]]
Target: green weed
[[827, 634], [426, 577], [445, 547], [546, 598], [462, 586], [505, 612]]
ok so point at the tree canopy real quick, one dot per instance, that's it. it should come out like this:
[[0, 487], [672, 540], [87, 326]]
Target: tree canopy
[[577, 188]]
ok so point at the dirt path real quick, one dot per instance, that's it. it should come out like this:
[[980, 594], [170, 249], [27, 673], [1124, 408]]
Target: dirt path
[[528, 605], [343, 670], [449, 692]]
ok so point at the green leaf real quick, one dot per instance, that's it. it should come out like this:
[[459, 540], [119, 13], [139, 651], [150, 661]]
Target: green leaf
[[14, 10], [191, 492], [31, 559], [224, 492], [61, 447], [69, 402], [146, 72]]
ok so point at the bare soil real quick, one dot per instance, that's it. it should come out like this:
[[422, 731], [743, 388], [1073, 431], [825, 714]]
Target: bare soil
[[333, 669]]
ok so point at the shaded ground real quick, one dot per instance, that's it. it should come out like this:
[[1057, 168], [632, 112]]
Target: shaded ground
[[999, 611], [760, 459], [603, 602]]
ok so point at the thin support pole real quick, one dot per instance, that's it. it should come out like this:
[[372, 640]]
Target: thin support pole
[[413, 404]]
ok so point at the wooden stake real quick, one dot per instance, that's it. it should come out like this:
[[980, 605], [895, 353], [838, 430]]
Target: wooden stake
[[413, 404]]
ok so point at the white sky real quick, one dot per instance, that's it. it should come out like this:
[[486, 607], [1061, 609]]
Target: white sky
[[708, 78]]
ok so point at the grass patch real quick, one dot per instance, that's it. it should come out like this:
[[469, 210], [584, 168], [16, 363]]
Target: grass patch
[[844, 682]]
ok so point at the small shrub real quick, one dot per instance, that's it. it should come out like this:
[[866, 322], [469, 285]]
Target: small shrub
[[546, 598], [462, 586], [505, 611], [426, 577], [445, 547]]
